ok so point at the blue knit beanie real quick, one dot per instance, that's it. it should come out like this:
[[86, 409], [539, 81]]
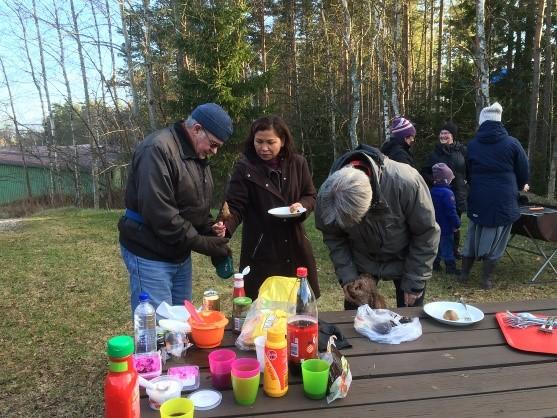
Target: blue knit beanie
[[215, 119]]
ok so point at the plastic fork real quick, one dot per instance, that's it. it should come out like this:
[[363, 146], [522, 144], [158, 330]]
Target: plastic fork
[[467, 316], [547, 327]]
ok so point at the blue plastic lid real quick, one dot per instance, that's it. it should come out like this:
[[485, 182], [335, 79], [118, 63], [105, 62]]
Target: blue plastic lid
[[144, 296]]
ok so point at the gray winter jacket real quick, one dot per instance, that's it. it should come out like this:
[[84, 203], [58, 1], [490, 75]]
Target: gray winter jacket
[[399, 242]]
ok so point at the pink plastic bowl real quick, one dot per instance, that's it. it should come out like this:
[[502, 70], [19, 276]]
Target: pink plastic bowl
[[245, 367]]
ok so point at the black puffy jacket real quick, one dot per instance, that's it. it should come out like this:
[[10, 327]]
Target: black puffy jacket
[[398, 150], [454, 155]]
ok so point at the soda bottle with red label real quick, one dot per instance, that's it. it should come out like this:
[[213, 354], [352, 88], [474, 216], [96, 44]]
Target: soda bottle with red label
[[302, 328]]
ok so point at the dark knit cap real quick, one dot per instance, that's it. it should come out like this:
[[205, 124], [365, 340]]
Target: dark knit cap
[[451, 127], [215, 119], [442, 174]]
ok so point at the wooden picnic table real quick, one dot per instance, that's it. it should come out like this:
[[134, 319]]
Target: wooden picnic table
[[448, 372]]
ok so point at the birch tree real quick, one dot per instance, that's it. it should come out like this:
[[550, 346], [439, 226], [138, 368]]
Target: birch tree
[[535, 89], [51, 145], [17, 133], [62, 58], [394, 64], [92, 139], [482, 90], [352, 51], [129, 63], [148, 64]]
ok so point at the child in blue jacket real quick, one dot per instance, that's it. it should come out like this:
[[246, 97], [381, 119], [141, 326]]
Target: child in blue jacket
[[445, 215]]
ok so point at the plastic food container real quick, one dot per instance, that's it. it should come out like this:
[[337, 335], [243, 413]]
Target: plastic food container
[[189, 375], [148, 365], [209, 333], [166, 387]]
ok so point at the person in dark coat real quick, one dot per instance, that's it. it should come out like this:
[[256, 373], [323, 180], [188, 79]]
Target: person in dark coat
[[445, 215], [497, 170], [453, 153], [270, 174], [397, 148], [168, 201]]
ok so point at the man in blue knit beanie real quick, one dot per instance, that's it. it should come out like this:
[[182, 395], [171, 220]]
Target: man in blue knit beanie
[[168, 198]]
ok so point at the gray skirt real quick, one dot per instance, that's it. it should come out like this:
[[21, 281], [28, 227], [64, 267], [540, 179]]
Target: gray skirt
[[486, 242]]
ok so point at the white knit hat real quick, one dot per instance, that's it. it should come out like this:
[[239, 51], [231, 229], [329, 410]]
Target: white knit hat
[[492, 112]]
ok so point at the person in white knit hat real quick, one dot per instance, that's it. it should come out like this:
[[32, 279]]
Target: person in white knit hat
[[497, 171]]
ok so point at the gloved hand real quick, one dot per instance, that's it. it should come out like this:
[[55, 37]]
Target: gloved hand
[[211, 246], [363, 291]]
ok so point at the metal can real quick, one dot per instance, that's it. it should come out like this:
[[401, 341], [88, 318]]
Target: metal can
[[211, 300], [240, 308]]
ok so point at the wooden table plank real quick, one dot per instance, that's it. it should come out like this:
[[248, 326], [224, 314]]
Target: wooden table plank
[[537, 403], [374, 392]]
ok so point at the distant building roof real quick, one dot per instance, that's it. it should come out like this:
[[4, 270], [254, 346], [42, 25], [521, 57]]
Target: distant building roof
[[38, 156]]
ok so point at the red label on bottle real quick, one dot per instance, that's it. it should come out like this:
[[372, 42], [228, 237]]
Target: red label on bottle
[[302, 339]]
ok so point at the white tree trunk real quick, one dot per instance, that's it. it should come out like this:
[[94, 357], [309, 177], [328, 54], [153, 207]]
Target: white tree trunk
[[51, 132], [129, 63], [535, 90], [331, 85], [17, 133], [77, 180], [92, 139], [151, 105], [394, 60], [352, 52], [482, 92]]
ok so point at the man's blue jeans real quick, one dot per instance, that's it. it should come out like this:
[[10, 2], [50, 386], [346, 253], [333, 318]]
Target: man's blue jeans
[[164, 281]]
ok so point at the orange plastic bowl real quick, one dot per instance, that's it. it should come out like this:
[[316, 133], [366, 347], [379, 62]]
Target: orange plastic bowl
[[208, 334]]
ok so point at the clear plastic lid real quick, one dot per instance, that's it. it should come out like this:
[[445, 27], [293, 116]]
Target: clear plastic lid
[[205, 399]]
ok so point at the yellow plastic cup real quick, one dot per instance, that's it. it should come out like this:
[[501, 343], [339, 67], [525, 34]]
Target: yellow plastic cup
[[177, 408]]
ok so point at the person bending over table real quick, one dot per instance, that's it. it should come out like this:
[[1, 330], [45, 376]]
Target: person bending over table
[[378, 221]]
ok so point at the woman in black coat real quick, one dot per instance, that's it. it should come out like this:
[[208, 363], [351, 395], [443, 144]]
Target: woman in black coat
[[452, 153], [271, 174]]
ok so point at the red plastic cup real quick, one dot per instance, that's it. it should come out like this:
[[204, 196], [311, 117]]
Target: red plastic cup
[[220, 364]]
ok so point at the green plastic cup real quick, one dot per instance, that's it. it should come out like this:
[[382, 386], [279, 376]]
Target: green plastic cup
[[315, 376], [177, 408], [245, 380]]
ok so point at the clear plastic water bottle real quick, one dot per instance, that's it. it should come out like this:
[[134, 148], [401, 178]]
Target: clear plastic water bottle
[[145, 325]]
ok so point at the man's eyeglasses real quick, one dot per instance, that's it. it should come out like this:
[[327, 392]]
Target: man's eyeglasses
[[212, 144]]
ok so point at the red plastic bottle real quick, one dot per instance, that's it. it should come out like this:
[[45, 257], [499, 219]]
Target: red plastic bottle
[[239, 290], [302, 328], [121, 387]]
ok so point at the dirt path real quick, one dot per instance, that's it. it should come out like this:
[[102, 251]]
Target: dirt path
[[9, 224]]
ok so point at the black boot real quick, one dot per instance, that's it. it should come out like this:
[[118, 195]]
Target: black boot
[[487, 270], [467, 263], [451, 268], [437, 264], [456, 243]]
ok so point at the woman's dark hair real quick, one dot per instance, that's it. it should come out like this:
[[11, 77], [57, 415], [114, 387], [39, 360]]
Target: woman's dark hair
[[266, 123]]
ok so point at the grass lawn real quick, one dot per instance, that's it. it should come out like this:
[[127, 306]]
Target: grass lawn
[[64, 292]]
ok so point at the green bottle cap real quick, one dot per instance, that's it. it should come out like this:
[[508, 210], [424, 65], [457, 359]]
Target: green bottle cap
[[242, 301], [119, 346]]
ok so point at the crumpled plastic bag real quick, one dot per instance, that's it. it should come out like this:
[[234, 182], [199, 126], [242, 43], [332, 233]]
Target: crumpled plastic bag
[[340, 376], [177, 312], [272, 307], [385, 326]]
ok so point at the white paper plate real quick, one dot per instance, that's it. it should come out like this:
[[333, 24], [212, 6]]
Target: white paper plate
[[284, 212], [437, 309]]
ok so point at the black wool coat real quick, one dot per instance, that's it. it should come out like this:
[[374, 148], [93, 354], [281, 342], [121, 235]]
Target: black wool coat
[[271, 246]]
